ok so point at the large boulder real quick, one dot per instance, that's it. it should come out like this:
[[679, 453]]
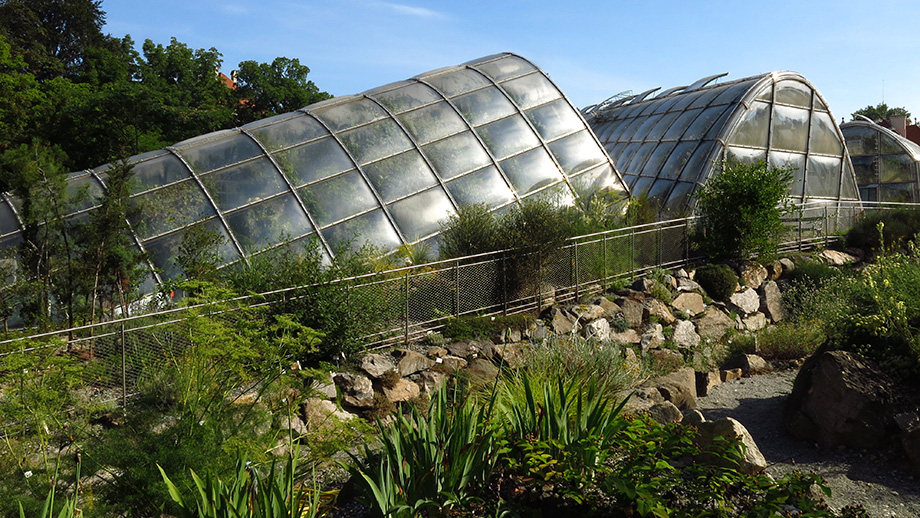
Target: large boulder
[[402, 390], [659, 310], [714, 323], [357, 390], [411, 362], [691, 303], [751, 460], [841, 399], [678, 387], [610, 308], [560, 321], [633, 311], [771, 301], [685, 334], [376, 365], [750, 364], [598, 329], [835, 258], [746, 301], [752, 274]]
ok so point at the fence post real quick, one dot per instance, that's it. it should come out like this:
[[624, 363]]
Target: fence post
[[406, 312], [124, 371]]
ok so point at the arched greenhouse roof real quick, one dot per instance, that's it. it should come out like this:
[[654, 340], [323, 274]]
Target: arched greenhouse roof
[[669, 144], [887, 165], [385, 166]]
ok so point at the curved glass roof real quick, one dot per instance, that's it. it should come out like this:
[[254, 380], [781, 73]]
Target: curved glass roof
[[385, 166], [666, 146], [887, 165]]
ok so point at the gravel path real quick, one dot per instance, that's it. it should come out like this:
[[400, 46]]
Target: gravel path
[[880, 481]]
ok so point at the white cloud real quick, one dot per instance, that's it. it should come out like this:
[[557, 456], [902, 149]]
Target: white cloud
[[420, 12]]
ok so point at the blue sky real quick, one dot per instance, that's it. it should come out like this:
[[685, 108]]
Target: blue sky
[[855, 53]]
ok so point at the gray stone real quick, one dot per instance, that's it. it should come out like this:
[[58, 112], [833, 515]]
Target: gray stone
[[835, 258], [682, 274], [730, 374], [774, 270], [585, 313], [481, 370], [705, 381], [430, 381], [630, 336], [688, 285], [436, 352], [632, 311], [713, 324], [644, 285], [771, 301], [692, 417], [357, 390], [597, 329], [678, 387], [507, 335], [752, 274], [658, 309], [746, 301], [640, 399], [536, 331], [511, 354], [752, 460], [451, 363], [403, 390], [561, 322], [755, 321], [610, 308], [665, 413], [376, 365], [750, 364], [411, 362], [322, 415], [691, 303], [465, 349], [685, 334], [653, 337], [788, 265], [909, 426]]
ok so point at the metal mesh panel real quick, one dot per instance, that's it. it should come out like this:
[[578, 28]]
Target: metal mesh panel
[[479, 287]]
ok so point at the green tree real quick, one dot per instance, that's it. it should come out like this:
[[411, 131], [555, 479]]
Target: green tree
[[282, 86], [741, 210], [19, 95], [881, 112]]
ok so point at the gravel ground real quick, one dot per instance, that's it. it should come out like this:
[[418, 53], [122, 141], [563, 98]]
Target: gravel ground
[[880, 481]]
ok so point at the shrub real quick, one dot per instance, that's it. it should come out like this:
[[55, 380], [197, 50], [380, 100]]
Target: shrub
[[718, 280], [813, 273], [741, 210], [472, 230], [900, 226]]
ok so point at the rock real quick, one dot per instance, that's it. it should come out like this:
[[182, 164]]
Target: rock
[[511, 354], [705, 381], [840, 398], [630, 336], [631, 362], [644, 285], [693, 417], [560, 321], [436, 352], [752, 274], [685, 334], [293, 425], [691, 303], [666, 357], [665, 413], [481, 370], [751, 461], [585, 313], [682, 274], [750, 364], [652, 337], [451, 363], [730, 374], [324, 387], [507, 335], [403, 390], [656, 308], [746, 301], [597, 329], [376, 365], [687, 285], [640, 399], [788, 265], [357, 390], [610, 308], [678, 387], [754, 321], [909, 425], [536, 331], [713, 324], [835, 258], [774, 270], [771, 301], [633, 312], [466, 349], [322, 415], [430, 381], [411, 362]]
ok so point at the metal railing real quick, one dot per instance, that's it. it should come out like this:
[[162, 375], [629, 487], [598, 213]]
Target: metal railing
[[412, 301]]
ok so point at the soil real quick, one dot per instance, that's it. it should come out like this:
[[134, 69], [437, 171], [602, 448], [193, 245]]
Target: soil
[[880, 481]]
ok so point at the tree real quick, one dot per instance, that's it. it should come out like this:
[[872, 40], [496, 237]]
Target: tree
[[881, 112], [266, 89], [741, 210]]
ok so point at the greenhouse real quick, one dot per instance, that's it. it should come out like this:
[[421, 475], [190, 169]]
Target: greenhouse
[[667, 144], [887, 165], [384, 167]]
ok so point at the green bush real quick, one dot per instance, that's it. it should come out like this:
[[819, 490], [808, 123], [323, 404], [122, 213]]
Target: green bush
[[718, 280], [813, 273], [900, 226], [472, 230], [741, 211]]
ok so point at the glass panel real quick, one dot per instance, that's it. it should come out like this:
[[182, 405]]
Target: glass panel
[[421, 215], [458, 82], [630, 179], [718, 128], [163, 249], [684, 101], [337, 198], [706, 97], [350, 114], [485, 186], [662, 126], [701, 163], [733, 93], [407, 97], [866, 169], [432, 122], [646, 126], [530, 91], [268, 223], [642, 186], [823, 177], [83, 192], [242, 184], [679, 199], [677, 160], [680, 125], [595, 180], [400, 175], [638, 160], [555, 119], [819, 104], [888, 144], [375, 141], [159, 171], [861, 140], [616, 132], [168, 208], [530, 171], [484, 105], [896, 168], [658, 194], [848, 189], [508, 136], [746, 155], [824, 137], [790, 128], [287, 132], [226, 151], [665, 105], [506, 67], [627, 155], [629, 132], [753, 128], [8, 222], [868, 193], [704, 122], [456, 155], [313, 161], [796, 163], [372, 228], [903, 193], [794, 93], [577, 152], [657, 158]]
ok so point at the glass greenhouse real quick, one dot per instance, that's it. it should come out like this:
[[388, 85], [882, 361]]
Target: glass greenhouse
[[385, 166], [669, 144], [887, 165]]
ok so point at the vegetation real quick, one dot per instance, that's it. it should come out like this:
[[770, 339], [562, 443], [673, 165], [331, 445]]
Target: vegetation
[[718, 280], [741, 211], [899, 225], [881, 112]]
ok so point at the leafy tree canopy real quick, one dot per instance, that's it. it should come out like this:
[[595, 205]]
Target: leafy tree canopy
[[270, 89], [881, 112]]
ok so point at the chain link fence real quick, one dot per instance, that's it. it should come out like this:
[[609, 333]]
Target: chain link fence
[[106, 362]]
